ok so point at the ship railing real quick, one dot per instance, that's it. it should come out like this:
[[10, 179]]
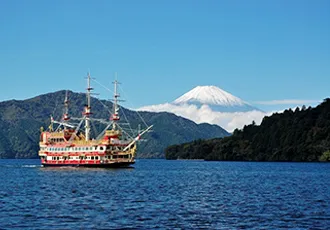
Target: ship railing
[[56, 134], [84, 142]]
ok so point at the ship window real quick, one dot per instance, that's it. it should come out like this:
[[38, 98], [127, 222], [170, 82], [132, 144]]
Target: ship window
[[96, 158], [95, 147], [101, 148], [92, 158]]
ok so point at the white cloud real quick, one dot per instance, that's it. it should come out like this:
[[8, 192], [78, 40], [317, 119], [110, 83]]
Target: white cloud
[[286, 102], [204, 114]]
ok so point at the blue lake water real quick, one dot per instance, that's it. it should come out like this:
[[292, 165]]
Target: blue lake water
[[166, 195]]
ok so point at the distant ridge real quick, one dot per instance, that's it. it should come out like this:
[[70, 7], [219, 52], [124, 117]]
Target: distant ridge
[[20, 123]]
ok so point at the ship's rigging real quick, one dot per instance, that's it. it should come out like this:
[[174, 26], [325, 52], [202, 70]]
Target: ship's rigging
[[114, 145]]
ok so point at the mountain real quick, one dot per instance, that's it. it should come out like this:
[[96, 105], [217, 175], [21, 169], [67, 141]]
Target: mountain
[[20, 123], [216, 98], [210, 104], [300, 135]]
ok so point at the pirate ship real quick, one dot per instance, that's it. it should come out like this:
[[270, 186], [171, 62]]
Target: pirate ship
[[66, 144]]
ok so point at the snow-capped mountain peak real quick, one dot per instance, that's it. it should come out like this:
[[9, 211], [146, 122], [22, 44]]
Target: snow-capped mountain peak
[[210, 104], [210, 95]]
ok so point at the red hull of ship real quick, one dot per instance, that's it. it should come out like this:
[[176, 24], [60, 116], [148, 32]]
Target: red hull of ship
[[107, 165]]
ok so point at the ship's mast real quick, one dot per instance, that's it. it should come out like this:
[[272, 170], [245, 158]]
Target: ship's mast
[[66, 116], [87, 112], [115, 116]]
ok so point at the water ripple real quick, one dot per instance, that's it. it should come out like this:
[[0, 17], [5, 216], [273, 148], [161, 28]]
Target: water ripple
[[166, 195]]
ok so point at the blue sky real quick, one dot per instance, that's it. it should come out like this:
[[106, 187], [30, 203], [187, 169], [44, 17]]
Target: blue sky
[[256, 50]]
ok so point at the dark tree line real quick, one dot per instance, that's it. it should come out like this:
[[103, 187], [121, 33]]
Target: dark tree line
[[300, 135]]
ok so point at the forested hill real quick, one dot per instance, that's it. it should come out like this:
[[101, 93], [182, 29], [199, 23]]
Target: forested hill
[[300, 135], [20, 123]]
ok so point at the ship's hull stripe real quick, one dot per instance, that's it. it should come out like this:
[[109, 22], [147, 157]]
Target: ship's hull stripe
[[112, 165]]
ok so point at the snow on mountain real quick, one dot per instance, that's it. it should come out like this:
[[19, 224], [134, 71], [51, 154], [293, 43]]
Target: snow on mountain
[[210, 104], [216, 98], [210, 95]]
